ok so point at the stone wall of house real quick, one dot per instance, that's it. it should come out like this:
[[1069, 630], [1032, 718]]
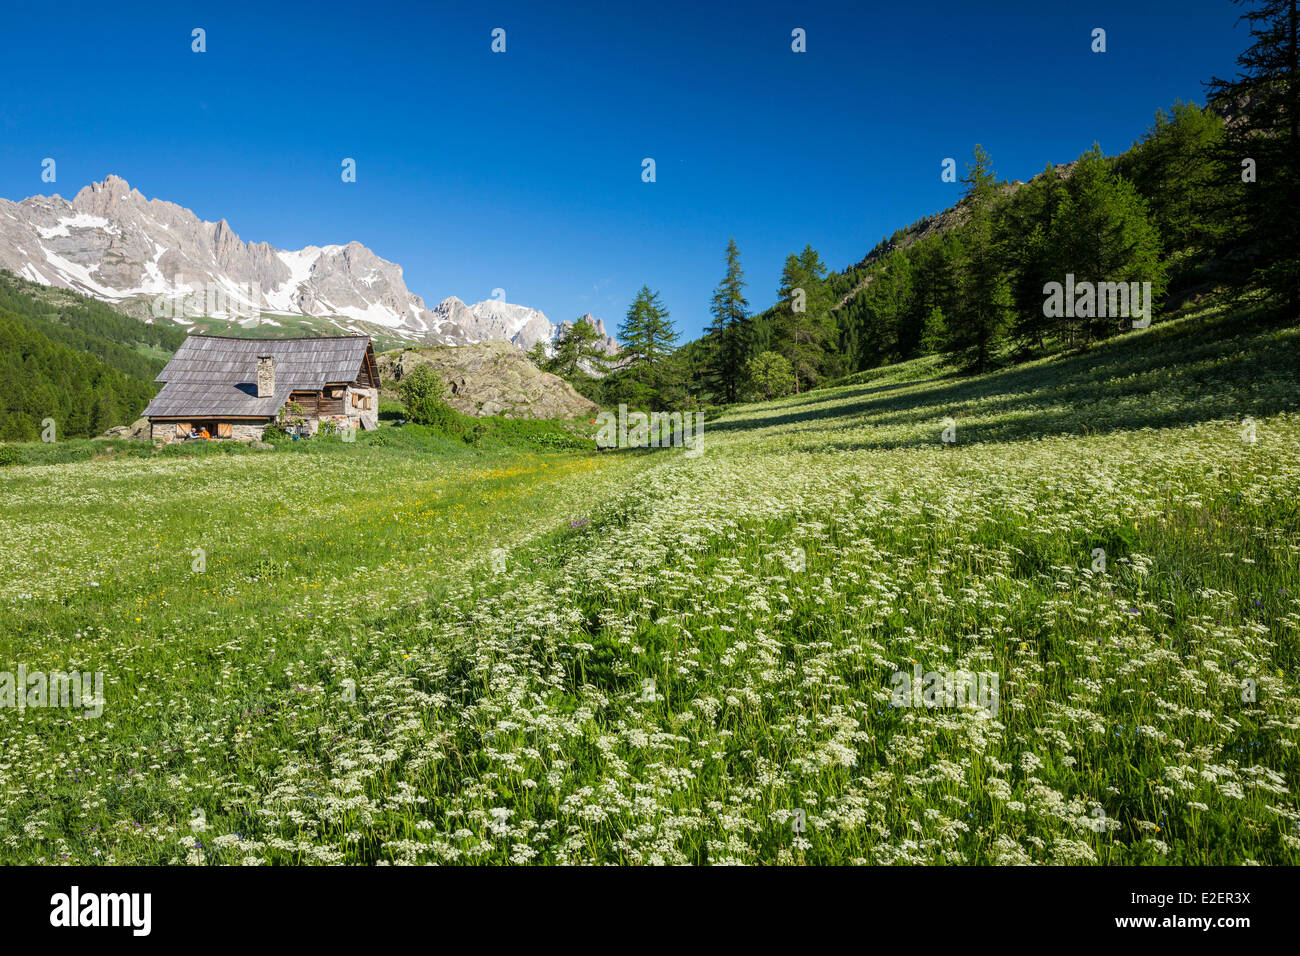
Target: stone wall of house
[[247, 432], [366, 419], [239, 431]]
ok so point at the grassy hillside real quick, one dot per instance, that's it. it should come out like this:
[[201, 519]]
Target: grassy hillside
[[71, 359], [134, 348], [674, 659], [44, 383], [276, 326], [1210, 363]]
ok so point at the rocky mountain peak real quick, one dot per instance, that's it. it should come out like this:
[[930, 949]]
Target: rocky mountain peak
[[102, 196], [114, 244]]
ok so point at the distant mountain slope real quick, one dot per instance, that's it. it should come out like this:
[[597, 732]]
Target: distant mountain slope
[[494, 319], [857, 277], [132, 347], [114, 244], [158, 261]]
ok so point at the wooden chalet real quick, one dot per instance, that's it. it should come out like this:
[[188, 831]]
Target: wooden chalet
[[232, 388]]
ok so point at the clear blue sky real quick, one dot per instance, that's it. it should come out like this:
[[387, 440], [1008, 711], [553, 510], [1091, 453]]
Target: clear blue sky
[[522, 170]]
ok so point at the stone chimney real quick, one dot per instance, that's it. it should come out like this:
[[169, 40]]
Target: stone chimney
[[265, 376]]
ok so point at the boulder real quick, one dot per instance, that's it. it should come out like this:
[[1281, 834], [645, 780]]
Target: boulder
[[136, 431]]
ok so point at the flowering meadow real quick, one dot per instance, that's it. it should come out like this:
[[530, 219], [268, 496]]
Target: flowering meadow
[[644, 657]]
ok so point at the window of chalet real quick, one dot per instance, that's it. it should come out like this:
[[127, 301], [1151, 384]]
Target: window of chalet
[[214, 429]]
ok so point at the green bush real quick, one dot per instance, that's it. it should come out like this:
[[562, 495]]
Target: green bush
[[421, 390], [769, 375]]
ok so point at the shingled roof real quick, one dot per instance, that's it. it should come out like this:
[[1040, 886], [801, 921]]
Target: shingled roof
[[213, 376]]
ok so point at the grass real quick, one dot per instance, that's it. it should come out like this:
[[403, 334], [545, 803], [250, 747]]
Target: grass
[[421, 652], [275, 325], [494, 433]]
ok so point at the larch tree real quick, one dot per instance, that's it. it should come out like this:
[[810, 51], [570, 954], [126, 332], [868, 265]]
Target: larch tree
[[1102, 233], [577, 351], [1263, 149], [727, 331], [983, 311], [647, 334], [805, 330]]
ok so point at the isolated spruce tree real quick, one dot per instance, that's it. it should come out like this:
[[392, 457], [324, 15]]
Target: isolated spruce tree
[[983, 312], [647, 335], [805, 330], [728, 330], [647, 379], [1265, 98]]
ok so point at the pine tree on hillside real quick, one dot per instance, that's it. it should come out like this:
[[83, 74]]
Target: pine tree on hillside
[[1176, 168], [983, 312], [934, 332], [1266, 97], [647, 379], [578, 352], [805, 330], [727, 332], [890, 306], [647, 335], [1102, 233], [934, 280], [537, 355], [1028, 221]]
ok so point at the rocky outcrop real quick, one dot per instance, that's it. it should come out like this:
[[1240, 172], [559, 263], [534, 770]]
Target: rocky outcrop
[[490, 378], [137, 431]]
